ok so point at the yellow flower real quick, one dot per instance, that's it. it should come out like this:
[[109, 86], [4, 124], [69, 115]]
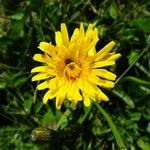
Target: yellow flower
[[72, 69]]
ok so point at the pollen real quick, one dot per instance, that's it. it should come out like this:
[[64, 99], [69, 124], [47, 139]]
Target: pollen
[[72, 70]]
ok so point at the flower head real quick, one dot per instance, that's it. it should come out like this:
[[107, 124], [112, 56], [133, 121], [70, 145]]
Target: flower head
[[72, 69]]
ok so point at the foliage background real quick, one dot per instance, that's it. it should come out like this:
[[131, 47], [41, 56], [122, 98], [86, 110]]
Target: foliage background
[[24, 23]]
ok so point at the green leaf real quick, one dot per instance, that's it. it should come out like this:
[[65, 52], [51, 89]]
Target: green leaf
[[141, 23], [86, 114], [74, 16], [97, 127], [17, 30], [143, 145], [116, 133], [135, 80], [123, 96], [17, 15], [3, 84], [63, 121], [27, 105], [113, 10], [19, 80], [38, 106], [148, 128], [132, 57], [2, 33], [148, 40], [50, 117], [135, 116]]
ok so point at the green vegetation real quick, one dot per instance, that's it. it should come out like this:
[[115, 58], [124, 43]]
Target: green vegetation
[[25, 23]]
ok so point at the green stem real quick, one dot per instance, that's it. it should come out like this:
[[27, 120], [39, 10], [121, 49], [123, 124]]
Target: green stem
[[116, 133], [88, 110], [131, 65]]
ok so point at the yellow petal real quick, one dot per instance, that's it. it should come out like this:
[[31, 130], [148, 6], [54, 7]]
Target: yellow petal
[[39, 69], [46, 97], [40, 76], [101, 96], [55, 83], [85, 86], [91, 47], [105, 50], [100, 64], [58, 39], [49, 95], [39, 57], [61, 94], [64, 34], [45, 59], [73, 92], [89, 29], [92, 90], [59, 101], [77, 95], [79, 42], [88, 45], [104, 74], [106, 83], [114, 57], [86, 100], [47, 47], [42, 86], [81, 30], [100, 82], [70, 91], [74, 36], [108, 55], [89, 35], [44, 46]]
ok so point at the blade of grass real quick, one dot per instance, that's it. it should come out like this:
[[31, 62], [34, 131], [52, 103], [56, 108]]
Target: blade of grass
[[64, 119], [116, 133], [136, 80], [146, 49], [123, 96]]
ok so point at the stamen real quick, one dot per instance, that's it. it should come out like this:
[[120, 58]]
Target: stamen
[[72, 70], [71, 65], [68, 61]]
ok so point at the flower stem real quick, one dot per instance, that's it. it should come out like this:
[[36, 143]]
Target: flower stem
[[116, 133], [87, 112]]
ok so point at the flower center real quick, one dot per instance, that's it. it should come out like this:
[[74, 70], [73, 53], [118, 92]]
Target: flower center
[[72, 70]]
